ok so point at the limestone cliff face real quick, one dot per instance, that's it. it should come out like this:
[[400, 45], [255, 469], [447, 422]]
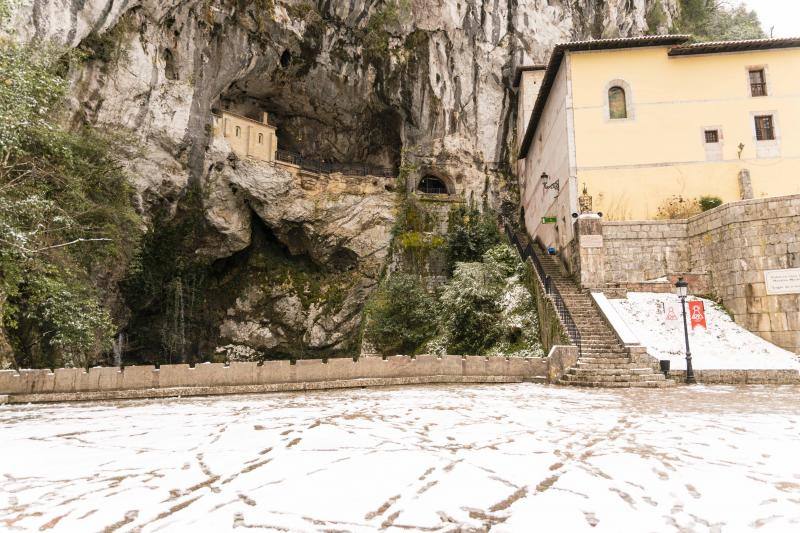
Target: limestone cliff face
[[352, 81]]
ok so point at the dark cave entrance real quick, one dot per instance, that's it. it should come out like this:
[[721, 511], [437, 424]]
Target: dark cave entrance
[[432, 185], [326, 122]]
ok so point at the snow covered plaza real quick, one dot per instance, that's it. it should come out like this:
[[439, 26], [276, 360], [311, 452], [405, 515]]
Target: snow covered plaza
[[440, 458]]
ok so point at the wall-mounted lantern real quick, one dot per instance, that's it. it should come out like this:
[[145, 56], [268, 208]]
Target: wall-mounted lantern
[[555, 185]]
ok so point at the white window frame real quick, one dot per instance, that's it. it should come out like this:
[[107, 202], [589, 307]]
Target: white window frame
[[714, 151], [768, 149]]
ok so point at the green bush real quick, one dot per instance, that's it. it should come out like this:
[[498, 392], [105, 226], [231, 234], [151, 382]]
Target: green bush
[[655, 17], [711, 20], [709, 202], [487, 310], [401, 315], [470, 308], [66, 218], [503, 258], [470, 233]]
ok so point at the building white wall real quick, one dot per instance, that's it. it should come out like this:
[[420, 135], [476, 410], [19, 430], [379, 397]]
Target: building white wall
[[552, 152], [529, 85]]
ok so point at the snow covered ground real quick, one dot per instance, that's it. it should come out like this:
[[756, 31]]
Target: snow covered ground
[[724, 345], [505, 457]]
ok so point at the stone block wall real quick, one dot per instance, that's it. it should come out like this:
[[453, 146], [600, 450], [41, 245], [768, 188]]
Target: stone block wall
[[723, 253], [740, 377], [644, 251], [735, 243], [66, 384]]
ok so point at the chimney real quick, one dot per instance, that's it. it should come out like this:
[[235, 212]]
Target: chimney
[[265, 118]]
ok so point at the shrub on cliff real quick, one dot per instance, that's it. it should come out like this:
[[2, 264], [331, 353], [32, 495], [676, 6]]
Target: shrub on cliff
[[66, 217], [400, 316], [486, 310], [470, 233], [470, 308]]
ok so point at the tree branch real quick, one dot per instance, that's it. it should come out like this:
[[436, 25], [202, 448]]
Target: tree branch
[[70, 243]]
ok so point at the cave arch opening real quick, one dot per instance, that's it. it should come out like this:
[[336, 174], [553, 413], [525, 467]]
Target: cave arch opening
[[341, 121], [430, 184]]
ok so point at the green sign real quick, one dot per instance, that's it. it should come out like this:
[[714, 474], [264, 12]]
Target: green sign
[[549, 220]]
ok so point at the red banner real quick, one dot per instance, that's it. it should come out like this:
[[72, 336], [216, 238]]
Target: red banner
[[697, 314]]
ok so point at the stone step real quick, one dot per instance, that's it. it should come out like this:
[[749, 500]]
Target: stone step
[[583, 371], [597, 366], [623, 384], [602, 357], [582, 378], [603, 346], [603, 360]]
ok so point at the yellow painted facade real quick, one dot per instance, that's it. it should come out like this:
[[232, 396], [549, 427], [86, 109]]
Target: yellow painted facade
[[631, 166], [674, 95], [247, 137]]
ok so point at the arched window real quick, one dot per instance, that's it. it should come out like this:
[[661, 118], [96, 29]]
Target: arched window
[[238, 131], [617, 106], [432, 185], [260, 138]]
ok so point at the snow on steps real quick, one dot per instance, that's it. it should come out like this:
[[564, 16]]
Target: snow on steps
[[601, 349]]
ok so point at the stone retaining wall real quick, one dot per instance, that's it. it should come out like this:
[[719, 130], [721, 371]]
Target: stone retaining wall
[[217, 378], [740, 377], [641, 251], [723, 253]]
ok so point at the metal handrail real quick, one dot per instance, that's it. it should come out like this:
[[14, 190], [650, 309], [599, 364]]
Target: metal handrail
[[323, 167], [550, 289], [566, 317]]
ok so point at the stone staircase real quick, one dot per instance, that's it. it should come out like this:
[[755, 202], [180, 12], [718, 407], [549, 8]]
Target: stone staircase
[[603, 361]]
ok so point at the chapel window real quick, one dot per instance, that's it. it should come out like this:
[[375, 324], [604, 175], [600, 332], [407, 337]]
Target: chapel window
[[617, 106]]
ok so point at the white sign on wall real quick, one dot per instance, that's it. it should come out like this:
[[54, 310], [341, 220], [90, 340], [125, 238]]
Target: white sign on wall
[[785, 281], [591, 241]]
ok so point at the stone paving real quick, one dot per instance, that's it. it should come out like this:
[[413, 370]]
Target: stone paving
[[519, 457]]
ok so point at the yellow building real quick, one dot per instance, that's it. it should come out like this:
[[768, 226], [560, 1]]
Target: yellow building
[[640, 120], [247, 137]]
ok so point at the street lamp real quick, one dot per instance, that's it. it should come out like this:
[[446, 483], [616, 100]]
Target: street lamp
[[682, 288], [555, 185]]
